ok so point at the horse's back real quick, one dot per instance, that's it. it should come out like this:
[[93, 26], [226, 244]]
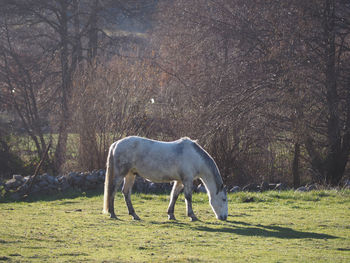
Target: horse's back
[[157, 160]]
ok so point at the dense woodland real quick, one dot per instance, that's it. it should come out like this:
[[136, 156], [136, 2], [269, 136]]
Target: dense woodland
[[264, 86]]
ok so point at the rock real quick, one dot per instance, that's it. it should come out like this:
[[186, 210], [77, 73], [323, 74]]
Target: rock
[[168, 187], [53, 189], [47, 184], [12, 184], [35, 189], [46, 180], [264, 186], [150, 187], [312, 187], [89, 185], [101, 176], [64, 185], [139, 187], [51, 179], [18, 177], [45, 190], [61, 178], [301, 189], [92, 178], [27, 178], [251, 188], [101, 179], [164, 187], [42, 183], [16, 196], [49, 189], [281, 187], [235, 189], [24, 188], [347, 184], [153, 188], [70, 176], [272, 186], [78, 180]]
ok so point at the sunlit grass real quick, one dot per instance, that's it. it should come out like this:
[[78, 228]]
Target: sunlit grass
[[269, 227]]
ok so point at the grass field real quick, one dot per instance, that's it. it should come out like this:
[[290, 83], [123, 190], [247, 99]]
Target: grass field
[[273, 227]]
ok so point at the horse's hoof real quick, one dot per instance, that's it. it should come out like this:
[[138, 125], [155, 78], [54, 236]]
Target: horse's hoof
[[136, 217], [193, 219], [113, 216], [171, 217]]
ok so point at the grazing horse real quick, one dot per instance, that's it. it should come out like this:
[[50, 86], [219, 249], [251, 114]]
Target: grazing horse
[[181, 161]]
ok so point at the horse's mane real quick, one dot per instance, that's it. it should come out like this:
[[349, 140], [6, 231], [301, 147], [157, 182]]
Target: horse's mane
[[187, 139], [210, 163]]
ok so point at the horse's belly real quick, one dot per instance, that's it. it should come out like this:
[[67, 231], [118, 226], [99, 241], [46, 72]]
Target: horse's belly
[[159, 176], [159, 166]]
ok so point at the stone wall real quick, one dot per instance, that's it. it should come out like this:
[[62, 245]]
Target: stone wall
[[45, 184]]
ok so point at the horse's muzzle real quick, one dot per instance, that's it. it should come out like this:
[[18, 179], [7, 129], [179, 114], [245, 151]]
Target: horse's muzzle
[[223, 218]]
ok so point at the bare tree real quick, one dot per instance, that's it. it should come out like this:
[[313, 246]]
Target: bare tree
[[327, 48], [112, 101], [23, 79], [215, 52], [68, 34], [259, 78]]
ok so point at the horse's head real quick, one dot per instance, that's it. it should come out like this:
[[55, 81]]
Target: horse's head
[[218, 203]]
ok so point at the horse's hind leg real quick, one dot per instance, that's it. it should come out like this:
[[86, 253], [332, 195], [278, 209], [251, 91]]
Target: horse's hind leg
[[128, 183], [188, 187], [177, 187], [114, 187]]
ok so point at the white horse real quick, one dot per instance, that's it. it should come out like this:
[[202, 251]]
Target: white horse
[[181, 161]]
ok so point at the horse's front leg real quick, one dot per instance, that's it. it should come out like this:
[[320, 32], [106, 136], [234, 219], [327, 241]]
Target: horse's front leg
[[128, 183], [188, 197], [177, 187]]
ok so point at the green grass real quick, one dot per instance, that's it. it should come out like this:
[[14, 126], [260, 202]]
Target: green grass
[[272, 227]]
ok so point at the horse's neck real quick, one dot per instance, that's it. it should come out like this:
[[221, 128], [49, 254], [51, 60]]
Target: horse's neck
[[210, 184]]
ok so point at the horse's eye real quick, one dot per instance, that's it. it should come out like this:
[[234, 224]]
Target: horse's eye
[[224, 199]]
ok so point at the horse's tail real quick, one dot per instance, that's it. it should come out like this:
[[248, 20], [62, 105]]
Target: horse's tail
[[108, 180]]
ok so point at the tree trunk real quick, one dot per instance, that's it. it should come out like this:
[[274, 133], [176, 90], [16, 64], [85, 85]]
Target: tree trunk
[[331, 167], [334, 167], [295, 166], [93, 32], [88, 149], [60, 154]]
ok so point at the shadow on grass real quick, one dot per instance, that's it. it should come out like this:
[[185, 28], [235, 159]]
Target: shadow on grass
[[245, 229], [170, 223], [72, 194]]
